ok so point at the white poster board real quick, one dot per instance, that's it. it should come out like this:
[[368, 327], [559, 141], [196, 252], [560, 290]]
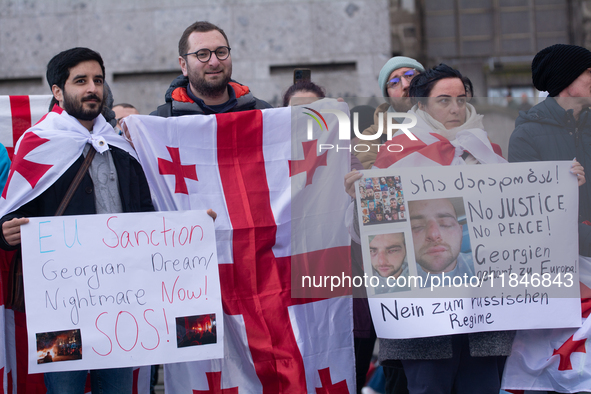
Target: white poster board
[[118, 290], [510, 261]]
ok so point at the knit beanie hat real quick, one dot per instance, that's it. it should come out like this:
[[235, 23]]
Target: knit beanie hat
[[394, 64], [554, 68]]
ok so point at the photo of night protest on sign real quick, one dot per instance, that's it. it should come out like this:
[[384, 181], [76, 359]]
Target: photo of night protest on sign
[[195, 330], [59, 346], [488, 248], [139, 272], [382, 200]]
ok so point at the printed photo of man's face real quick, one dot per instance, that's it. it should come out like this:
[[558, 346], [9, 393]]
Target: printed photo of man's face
[[387, 252], [436, 234]]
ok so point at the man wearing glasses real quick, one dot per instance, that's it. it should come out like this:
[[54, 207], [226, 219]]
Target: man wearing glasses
[[206, 86], [394, 80]]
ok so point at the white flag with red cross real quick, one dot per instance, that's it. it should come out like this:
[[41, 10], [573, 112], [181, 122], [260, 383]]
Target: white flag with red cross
[[17, 114], [554, 360], [280, 202]]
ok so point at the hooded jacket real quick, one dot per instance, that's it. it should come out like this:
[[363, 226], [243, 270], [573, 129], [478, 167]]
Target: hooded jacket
[[549, 132], [179, 103]]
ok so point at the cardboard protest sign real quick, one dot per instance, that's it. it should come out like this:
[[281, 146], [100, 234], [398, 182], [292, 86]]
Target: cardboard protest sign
[[118, 290], [455, 249]]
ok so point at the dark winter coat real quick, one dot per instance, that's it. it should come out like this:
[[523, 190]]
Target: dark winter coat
[[548, 132], [179, 103]]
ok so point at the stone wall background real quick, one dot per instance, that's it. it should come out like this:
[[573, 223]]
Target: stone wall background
[[345, 43]]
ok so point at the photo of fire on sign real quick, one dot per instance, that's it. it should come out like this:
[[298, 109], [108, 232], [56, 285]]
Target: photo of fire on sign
[[195, 330], [59, 346]]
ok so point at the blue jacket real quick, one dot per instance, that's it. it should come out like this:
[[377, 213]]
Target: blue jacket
[[548, 132], [4, 166]]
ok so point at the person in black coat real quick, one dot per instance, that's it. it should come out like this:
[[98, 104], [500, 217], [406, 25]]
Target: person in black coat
[[559, 128]]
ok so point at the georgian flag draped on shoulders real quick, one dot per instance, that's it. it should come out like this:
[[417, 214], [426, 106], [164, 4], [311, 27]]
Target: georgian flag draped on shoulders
[[47, 150], [265, 186], [432, 149]]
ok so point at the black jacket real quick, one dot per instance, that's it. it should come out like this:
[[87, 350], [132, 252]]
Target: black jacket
[[133, 190], [547, 132], [178, 103]]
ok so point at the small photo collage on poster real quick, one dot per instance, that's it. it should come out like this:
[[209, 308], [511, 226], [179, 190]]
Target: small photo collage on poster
[[59, 346], [382, 200]]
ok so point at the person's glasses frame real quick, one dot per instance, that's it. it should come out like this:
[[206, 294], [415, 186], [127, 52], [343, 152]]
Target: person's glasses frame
[[408, 75], [203, 55]]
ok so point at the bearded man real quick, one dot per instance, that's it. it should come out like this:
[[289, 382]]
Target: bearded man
[[206, 86], [55, 149]]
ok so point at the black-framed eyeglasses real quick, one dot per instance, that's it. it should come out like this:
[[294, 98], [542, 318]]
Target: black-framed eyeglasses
[[203, 55], [408, 75]]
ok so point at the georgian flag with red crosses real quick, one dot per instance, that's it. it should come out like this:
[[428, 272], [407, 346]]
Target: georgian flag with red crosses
[[551, 360], [17, 114], [281, 206], [556, 359]]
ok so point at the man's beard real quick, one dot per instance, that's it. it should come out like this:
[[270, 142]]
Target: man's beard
[[76, 109], [210, 89]]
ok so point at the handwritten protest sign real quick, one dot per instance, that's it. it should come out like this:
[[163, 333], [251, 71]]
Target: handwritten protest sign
[[470, 248], [104, 291]]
